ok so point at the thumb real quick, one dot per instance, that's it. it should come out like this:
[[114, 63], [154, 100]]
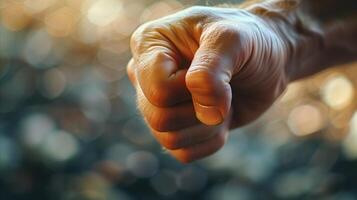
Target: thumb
[[208, 79]]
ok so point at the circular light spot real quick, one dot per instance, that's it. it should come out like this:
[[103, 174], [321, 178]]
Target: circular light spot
[[103, 12], [60, 23], [118, 152], [142, 164], [337, 92], [164, 183], [35, 128], [37, 48], [95, 104], [305, 119], [136, 132], [13, 16], [60, 146], [54, 83]]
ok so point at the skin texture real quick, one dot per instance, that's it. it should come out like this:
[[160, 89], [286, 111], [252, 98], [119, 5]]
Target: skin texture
[[203, 71]]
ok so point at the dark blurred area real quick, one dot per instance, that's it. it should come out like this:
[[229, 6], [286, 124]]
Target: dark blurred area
[[70, 130]]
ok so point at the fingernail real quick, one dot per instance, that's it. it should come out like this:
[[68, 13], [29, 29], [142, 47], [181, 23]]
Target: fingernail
[[209, 115]]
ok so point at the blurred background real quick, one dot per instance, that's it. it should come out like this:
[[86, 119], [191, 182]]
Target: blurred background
[[70, 130]]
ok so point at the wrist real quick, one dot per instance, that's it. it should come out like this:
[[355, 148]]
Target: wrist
[[315, 35], [303, 43]]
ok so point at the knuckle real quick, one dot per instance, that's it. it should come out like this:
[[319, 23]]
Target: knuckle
[[159, 121], [223, 32], [138, 37], [158, 92], [200, 79], [135, 39], [158, 56], [186, 157], [159, 95], [207, 60], [225, 28], [199, 12], [192, 154], [170, 141]]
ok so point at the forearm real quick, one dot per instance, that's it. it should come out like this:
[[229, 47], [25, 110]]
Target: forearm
[[317, 35]]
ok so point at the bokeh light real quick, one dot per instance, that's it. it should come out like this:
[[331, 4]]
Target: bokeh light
[[37, 6], [164, 183], [103, 12], [60, 146], [35, 128], [160, 9], [61, 22], [54, 83], [13, 15], [305, 119], [142, 164], [350, 142], [337, 92], [37, 48], [70, 128]]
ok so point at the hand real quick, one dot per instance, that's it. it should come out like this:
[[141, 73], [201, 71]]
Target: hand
[[202, 71]]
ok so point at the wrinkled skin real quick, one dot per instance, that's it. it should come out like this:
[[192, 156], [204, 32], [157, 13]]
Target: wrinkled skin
[[203, 71]]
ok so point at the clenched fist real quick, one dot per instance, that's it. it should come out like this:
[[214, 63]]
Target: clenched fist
[[202, 71]]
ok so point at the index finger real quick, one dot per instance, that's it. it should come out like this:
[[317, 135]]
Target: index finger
[[160, 77]]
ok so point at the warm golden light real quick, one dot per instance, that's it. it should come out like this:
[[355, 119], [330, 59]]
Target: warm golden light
[[337, 92], [61, 22], [37, 6], [160, 9], [305, 119], [13, 15], [104, 12], [292, 92], [71, 128]]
